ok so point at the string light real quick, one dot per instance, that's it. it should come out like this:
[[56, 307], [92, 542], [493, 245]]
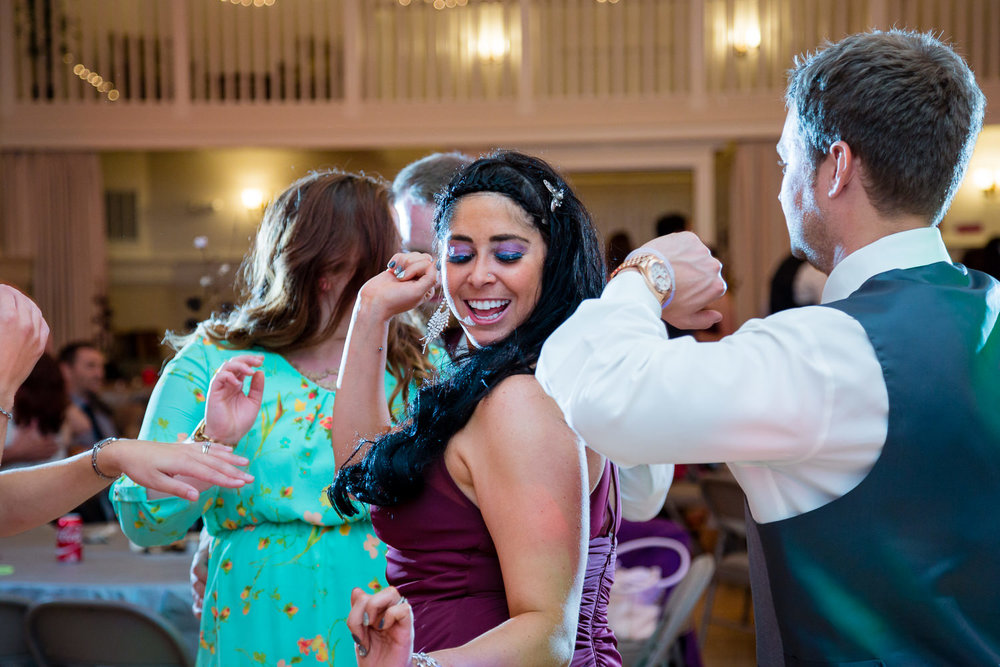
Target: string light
[[437, 4], [99, 83]]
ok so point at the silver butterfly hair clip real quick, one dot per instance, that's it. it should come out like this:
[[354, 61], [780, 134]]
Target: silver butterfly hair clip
[[557, 195]]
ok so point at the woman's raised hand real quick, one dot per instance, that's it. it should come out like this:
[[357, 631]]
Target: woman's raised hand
[[409, 280], [382, 628], [229, 412]]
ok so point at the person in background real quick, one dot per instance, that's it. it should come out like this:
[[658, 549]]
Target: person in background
[[37, 433], [82, 364], [282, 562], [619, 245], [413, 192], [795, 283], [865, 431], [985, 259], [671, 223], [32, 496]]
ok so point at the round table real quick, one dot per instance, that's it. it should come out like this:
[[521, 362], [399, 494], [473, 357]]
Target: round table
[[110, 570]]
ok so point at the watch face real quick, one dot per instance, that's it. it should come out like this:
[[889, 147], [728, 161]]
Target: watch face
[[660, 276]]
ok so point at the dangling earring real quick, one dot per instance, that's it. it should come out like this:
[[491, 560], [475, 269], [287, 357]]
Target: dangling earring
[[437, 323]]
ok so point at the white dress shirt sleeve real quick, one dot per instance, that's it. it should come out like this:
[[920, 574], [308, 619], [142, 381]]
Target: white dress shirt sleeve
[[644, 489], [795, 403]]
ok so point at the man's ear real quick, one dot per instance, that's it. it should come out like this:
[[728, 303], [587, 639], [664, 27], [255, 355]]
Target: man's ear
[[844, 166]]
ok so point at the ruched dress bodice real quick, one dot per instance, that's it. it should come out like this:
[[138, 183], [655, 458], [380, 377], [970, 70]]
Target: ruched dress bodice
[[442, 558]]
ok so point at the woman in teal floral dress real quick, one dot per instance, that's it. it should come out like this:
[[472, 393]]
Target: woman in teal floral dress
[[282, 561]]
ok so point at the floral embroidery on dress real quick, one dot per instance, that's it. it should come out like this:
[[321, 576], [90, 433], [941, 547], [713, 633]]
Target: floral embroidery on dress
[[372, 545], [317, 644]]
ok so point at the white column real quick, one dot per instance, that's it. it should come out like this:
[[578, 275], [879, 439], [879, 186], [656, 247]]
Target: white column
[[698, 71], [352, 59], [526, 85], [182, 58]]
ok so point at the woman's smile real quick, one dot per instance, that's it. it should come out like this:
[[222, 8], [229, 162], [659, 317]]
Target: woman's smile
[[493, 268], [487, 311]]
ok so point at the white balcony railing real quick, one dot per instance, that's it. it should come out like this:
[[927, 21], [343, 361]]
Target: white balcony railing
[[100, 72]]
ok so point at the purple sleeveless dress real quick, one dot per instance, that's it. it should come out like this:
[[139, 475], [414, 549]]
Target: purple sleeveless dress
[[441, 557]]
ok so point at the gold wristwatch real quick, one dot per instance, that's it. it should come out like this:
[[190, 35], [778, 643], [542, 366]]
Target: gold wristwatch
[[654, 271]]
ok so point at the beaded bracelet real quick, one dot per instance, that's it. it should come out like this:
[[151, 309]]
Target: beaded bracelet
[[423, 660], [93, 458]]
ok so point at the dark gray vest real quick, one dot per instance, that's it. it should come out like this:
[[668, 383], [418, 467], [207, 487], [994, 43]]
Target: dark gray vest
[[905, 568]]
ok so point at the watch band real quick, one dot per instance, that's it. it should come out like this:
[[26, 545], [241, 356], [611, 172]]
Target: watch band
[[640, 260]]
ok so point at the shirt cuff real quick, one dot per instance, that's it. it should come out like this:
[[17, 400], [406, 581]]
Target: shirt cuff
[[630, 286]]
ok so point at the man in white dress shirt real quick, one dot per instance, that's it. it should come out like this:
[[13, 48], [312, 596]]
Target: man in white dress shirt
[[865, 431]]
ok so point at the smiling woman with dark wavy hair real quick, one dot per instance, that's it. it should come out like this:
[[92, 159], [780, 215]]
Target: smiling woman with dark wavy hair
[[482, 493]]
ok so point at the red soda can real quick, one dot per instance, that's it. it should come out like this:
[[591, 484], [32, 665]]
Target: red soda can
[[69, 539]]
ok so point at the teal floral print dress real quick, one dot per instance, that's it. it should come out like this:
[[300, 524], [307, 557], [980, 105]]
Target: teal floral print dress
[[283, 562]]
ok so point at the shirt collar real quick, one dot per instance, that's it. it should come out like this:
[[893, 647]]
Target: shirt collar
[[902, 250]]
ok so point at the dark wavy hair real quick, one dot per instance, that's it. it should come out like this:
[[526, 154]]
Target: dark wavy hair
[[42, 397], [392, 470]]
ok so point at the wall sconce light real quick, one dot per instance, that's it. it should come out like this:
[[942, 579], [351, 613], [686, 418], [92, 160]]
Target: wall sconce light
[[492, 46], [985, 181], [492, 43], [252, 198], [745, 38]]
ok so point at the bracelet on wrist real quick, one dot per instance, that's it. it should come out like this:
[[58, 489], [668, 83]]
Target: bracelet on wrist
[[423, 660], [93, 458], [199, 436], [7, 413]]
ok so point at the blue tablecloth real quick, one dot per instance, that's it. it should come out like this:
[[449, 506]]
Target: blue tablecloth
[[157, 582]]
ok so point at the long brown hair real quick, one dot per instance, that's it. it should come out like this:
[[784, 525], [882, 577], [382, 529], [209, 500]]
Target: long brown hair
[[326, 222]]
